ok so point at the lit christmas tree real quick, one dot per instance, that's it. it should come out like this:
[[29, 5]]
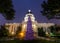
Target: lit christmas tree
[[29, 32]]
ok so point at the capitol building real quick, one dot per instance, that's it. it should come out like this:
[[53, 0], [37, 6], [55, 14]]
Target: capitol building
[[13, 27]]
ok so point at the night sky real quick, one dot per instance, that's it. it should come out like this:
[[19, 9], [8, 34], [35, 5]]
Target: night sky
[[22, 6]]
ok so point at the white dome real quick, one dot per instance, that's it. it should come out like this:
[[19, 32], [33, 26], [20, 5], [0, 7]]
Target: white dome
[[31, 16]]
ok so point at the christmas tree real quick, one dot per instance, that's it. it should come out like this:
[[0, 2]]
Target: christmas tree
[[29, 32]]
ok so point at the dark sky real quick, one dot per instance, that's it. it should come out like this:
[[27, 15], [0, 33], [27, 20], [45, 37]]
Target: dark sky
[[22, 6]]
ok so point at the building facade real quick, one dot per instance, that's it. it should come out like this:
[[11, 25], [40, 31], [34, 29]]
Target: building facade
[[13, 27]]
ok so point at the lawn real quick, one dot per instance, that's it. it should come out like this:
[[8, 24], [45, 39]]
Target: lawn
[[29, 41]]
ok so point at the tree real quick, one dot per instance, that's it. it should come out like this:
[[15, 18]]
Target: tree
[[51, 9], [3, 31], [55, 31], [52, 28], [58, 31], [6, 8], [18, 29], [41, 32]]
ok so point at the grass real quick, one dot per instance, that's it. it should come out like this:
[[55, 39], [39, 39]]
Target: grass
[[29, 41]]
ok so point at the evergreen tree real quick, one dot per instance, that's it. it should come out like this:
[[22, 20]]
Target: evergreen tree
[[51, 9], [6, 8], [41, 32], [3, 32]]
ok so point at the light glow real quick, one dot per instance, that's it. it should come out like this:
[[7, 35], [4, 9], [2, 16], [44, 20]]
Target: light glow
[[12, 33], [34, 25], [29, 10], [24, 26], [21, 34]]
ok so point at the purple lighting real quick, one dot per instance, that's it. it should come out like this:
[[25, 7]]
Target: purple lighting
[[29, 32]]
